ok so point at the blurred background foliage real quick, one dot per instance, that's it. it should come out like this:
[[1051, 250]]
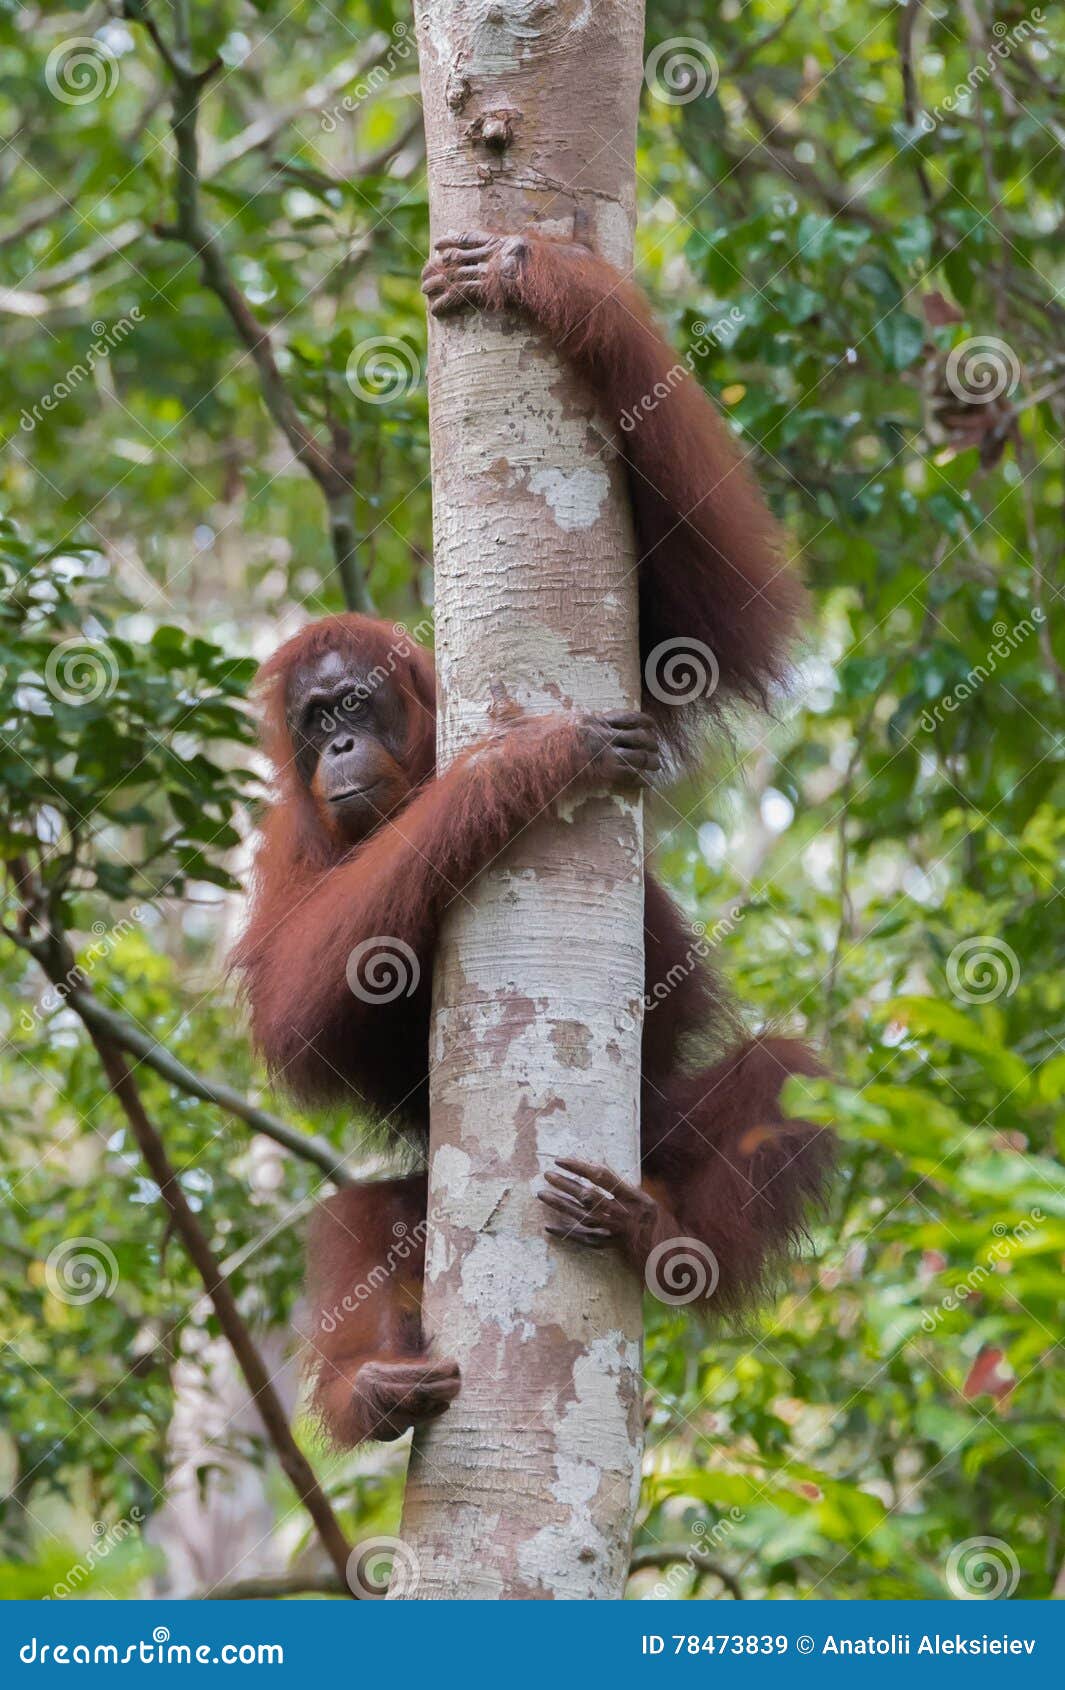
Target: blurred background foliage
[[853, 228]]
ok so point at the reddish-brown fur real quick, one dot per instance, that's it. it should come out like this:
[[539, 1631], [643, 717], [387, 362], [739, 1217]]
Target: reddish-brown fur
[[711, 564], [721, 1164]]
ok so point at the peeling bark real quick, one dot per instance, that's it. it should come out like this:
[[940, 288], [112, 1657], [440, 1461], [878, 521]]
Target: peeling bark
[[527, 1486]]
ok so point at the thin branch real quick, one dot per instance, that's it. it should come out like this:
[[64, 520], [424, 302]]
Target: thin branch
[[846, 792], [330, 469], [267, 1402], [91, 257], [1044, 592], [58, 961], [259, 134], [411, 135], [19, 302], [40, 212], [757, 47], [263, 131], [780, 155], [669, 1554], [124, 1033], [908, 19], [373, 164]]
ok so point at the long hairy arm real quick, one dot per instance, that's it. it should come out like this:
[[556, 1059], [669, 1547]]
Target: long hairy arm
[[319, 945], [712, 572]]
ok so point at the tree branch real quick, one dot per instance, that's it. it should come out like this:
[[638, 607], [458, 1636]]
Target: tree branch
[[57, 959], [908, 18], [757, 47], [263, 131], [834, 194], [125, 1034], [255, 136], [668, 1554], [329, 468], [270, 1408]]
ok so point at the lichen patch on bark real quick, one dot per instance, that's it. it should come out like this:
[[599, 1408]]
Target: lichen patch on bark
[[575, 500], [573, 1042], [505, 1273]]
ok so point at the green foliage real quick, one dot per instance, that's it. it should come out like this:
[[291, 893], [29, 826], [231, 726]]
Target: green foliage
[[830, 230], [106, 732]]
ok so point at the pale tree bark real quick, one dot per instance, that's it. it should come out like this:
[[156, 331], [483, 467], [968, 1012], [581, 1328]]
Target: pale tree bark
[[527, 1486]]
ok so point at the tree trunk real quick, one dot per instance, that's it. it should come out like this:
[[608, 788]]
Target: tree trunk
[[527, 1486]]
